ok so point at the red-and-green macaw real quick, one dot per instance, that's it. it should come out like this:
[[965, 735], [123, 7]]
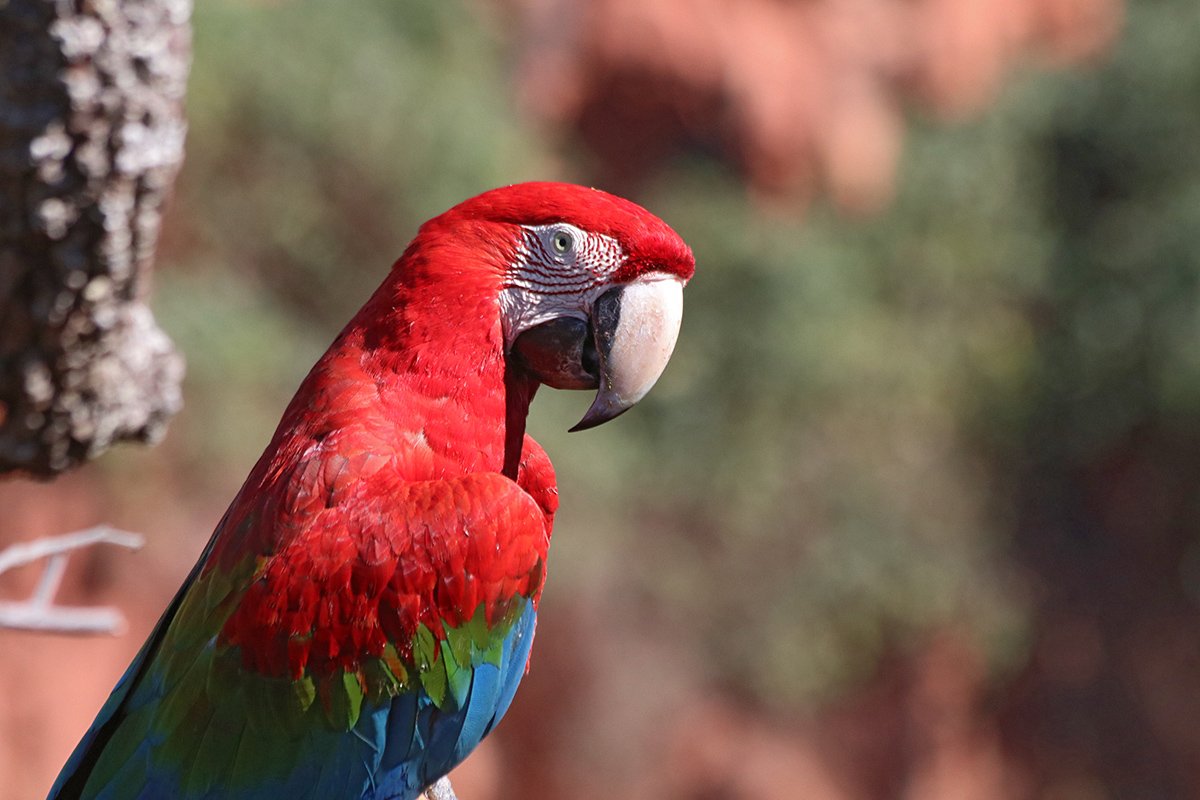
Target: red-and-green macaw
[[362, 615]]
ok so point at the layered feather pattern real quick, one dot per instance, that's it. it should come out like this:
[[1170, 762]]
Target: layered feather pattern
[[365, 610]]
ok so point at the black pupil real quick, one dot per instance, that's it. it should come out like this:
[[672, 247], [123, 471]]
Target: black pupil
[[562, 242]]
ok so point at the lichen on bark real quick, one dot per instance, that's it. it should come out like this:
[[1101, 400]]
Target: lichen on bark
[[91, 138]]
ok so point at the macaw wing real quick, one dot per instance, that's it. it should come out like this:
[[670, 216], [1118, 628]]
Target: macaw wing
[[363, 652]]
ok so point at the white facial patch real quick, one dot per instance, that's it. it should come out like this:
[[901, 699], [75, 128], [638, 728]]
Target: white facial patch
[[559, 271]]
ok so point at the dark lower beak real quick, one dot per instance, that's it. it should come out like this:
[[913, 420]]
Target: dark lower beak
[[621, 350], [560, 353]]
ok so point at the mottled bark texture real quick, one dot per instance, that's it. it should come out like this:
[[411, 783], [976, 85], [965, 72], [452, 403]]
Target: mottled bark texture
[[91, 137]]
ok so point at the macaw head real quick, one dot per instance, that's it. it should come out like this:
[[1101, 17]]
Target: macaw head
[[592, 289]]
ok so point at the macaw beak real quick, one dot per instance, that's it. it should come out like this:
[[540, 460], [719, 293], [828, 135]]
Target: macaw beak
[[621, 350]]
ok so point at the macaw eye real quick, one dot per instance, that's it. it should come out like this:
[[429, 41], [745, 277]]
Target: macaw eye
[[563, 242]]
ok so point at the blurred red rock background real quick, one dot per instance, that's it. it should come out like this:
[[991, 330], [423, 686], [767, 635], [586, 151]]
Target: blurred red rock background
[[911, 515], [803, 97]]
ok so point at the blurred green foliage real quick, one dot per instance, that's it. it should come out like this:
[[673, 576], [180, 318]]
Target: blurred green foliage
[[826, 471], [321, 135]]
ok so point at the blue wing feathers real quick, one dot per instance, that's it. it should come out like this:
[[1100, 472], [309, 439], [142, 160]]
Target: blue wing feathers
[[480, 710], [400, 730], [440, 740], [395, 750], [516, 656]]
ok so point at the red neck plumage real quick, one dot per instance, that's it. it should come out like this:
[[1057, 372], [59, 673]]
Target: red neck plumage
[[427, 355]]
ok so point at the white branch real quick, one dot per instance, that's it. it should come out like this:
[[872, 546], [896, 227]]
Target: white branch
[[440, 791], [39, 612]]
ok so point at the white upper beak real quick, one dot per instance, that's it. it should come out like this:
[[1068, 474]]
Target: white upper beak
[[636, 326]]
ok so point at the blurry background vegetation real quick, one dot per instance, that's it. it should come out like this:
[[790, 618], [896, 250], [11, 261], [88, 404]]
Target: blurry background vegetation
[[951, 442]]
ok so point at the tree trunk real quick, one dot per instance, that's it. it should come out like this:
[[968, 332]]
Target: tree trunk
[[91, 137]]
